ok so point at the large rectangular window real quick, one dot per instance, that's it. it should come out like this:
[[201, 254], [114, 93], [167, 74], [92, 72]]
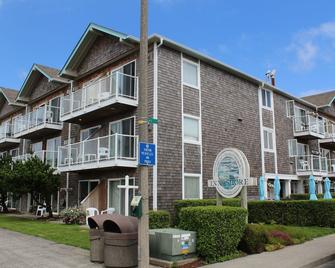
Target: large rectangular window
[[268, 139], [191, 186], [266, 98], [190, 73], [191, 129]]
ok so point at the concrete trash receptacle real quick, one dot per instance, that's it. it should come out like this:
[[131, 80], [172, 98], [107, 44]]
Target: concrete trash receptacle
[[96, 234], [121, 241]]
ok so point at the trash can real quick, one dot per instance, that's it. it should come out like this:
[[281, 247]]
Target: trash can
[[121, 241], [96, 234]]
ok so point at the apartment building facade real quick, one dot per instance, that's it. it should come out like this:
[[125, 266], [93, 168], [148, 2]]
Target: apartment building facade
[[83, 120]]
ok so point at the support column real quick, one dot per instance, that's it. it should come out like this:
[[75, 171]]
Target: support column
[[320, 187], [301, 186], [265, 188], [287, 188], [28, 202]]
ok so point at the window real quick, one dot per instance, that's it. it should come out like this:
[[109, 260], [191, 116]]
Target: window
[[292, 147], [85, 187], [266, 98], [88, 133], [268, 139], [192, 187], [191, 130], [290, 108], [14, 152], [124, 126], [190, 73], [303, 149]]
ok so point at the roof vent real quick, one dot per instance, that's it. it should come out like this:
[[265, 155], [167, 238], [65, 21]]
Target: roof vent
[[271, 76]]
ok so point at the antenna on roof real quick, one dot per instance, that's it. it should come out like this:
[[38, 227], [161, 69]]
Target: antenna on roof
[[271, 76]]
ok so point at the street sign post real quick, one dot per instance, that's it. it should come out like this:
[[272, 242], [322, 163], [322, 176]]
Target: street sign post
[[147, 153]]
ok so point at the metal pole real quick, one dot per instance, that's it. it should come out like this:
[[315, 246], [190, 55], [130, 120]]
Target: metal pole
[[143, 234]]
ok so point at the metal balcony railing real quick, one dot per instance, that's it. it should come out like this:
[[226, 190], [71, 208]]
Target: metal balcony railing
[[311, 163], [329, 129], [309, 124], [44, 115], [115, 86], [112, 147], [48, 157], [6, 131]]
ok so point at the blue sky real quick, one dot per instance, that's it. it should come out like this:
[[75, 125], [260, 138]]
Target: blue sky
[[297, 38]]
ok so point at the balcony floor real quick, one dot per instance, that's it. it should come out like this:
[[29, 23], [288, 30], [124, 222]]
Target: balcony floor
[[9, 142], [106, 108], [308, 135], [327, 143], [314, 173], [99, 165], [39, 131]]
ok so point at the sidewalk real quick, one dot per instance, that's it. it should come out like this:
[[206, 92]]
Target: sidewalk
[[308, 255]]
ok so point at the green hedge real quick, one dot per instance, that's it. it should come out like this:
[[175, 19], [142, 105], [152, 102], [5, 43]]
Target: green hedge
[[159, 219], [303, 196], [179, 204], [300, 212], [219, 229]]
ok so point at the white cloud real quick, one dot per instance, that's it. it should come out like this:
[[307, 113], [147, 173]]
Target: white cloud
[[312, 46]]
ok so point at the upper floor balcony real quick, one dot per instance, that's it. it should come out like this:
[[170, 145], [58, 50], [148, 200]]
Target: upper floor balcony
[[40, 122], [6, 136], [115, 150], [309, 127], [329, 139], [112, 94], [48, 157], [307, 165]]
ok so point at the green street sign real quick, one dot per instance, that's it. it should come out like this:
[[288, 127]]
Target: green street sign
[[152, 120]]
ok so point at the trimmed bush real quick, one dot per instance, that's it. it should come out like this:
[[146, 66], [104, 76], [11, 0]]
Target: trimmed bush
[[254, 239], [73, 216], [159, 219], [299, 212], [303, 196], [179, 204], [219, 229]]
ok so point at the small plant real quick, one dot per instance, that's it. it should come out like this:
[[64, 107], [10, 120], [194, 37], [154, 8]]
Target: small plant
[[254, 239], [279, 237], [73, 216]]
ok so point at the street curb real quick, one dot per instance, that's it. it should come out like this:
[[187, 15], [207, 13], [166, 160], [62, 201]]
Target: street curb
[[319, 262]]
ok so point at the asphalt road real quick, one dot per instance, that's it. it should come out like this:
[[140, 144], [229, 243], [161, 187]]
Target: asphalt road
[[328, 265], [19, 250]]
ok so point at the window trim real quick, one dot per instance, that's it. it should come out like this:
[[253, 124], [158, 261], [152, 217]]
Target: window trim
[[271, 99], [120, 120], [120, 179], [88, 128], [198, 73], [185, 140], [270, 130], [199, 176]]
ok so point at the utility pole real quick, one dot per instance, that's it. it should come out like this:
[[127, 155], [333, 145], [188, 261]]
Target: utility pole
[[143, 232]]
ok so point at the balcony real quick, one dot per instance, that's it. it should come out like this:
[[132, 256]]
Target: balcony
[[104, 152], [328, 141], [6, 137], [38, 123], [309, 127], [311, 165], [112, 94], [48, 157]]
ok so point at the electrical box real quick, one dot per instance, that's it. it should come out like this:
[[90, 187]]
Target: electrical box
[[136, 207], [172, 244]]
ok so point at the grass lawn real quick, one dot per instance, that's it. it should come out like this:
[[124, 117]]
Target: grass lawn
[[71, 235]]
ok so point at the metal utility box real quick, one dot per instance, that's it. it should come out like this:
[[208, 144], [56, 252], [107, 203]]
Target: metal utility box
[[172, 244]]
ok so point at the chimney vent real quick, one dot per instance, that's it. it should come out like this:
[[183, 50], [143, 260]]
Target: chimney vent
[[271, 76]]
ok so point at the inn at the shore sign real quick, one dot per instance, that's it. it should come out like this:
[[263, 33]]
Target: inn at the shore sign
[[231, 172]]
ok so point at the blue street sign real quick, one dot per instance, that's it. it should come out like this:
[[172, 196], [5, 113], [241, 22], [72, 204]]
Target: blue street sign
[[147, 154]]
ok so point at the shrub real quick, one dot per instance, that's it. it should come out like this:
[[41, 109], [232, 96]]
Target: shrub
[[279, 237], [303, 196], [159, 219], [254, 239], [179, 204], [299, 212], [219, 229], [73, 216]]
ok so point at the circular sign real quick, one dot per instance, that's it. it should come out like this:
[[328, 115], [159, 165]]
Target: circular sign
[[230, 172]]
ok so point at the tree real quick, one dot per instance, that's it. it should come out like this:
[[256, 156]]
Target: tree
[[37, 178], [6, 180]]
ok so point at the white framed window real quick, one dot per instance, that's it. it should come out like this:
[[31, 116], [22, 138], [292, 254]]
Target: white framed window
[[191, 129], [267, 99], [88, 133], [190, 73], [85, 187], [192, 186], [290, 108], [14, 152], [124, 126], [292, 147], [268, 139]]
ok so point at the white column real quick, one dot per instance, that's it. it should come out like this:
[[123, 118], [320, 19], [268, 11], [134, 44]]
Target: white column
[[287, 188], [28, 202], [320, 187], [301, 186], [265, 188]]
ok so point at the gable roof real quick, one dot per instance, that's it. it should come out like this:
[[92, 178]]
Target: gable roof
[[322, 99], [86, 41], [36, 71], [10, 95]]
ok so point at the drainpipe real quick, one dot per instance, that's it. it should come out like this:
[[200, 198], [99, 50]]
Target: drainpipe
[[68, 173]]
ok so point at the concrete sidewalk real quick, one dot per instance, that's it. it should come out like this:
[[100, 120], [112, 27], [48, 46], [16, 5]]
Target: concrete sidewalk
[[308, 255]]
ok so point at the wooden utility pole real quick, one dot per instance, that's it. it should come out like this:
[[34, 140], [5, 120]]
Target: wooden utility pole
[[143, 232]]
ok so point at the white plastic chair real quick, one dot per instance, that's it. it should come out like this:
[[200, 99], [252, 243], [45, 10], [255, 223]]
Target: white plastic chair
[[108, 211], [41, 210], [103, 153], [90, 212]]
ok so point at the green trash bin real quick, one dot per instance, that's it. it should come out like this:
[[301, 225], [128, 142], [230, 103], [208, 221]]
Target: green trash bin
[[121, 241]]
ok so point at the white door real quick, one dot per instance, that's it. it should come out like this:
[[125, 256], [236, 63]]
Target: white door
[[116, 196]]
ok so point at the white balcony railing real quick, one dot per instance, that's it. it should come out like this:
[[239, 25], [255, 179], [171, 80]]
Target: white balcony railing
[[311, 163], [116, 147], [115, 86], [329, 129], [6, 131], [308, 124], [44, 115], [331, 166], [48, 157]]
